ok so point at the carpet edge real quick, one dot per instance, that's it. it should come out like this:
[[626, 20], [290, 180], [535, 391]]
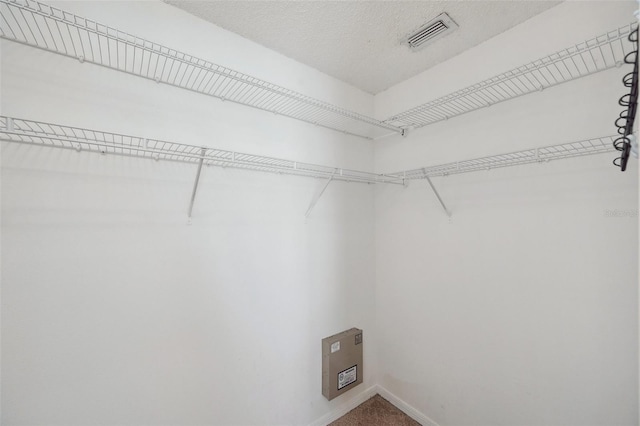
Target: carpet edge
[[345, 407], [406, 408]]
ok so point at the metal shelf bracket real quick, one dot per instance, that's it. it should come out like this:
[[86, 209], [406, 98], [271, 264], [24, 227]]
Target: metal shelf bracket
[[195, 184], [317, 197], [433, 188]]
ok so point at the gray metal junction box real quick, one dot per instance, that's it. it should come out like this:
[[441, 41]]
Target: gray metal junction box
[[342, 367]]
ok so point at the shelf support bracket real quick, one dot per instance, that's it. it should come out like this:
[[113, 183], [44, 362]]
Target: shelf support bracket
[[433, 188], [317, 197], [195, 184]]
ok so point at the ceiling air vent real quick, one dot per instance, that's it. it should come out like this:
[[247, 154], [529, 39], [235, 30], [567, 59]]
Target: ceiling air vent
[[438, 27]]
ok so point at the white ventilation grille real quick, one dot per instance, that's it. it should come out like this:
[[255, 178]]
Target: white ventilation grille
[[431, 31]]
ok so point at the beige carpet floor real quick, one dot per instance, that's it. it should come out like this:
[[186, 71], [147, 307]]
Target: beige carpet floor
[[373, 412]]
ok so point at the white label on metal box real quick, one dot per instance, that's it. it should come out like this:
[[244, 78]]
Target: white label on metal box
[[348, 376], [335, 347]]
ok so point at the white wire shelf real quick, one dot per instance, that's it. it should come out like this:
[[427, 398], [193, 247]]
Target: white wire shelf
[[54, 30], [589, 57], [516, 158], [80, 139], [31, 132]]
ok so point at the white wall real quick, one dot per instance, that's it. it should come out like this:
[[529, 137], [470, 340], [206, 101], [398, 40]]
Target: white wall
[[114, 310], [523, 309]]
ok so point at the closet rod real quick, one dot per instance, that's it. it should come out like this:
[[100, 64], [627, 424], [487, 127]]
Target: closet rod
[[81, 139], [48, 28]]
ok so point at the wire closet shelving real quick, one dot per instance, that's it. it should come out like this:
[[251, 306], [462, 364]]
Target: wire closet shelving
[[528, 156], [60, 136], [41, 26], [90, 140], [54, 30], [589, 57]]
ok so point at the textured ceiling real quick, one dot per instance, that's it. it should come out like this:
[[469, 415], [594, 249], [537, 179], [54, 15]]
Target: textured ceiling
[[359, 42]]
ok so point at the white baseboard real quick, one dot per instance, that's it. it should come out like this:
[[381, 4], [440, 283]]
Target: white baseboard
[[406, 408], [368, 393], [347, 406]]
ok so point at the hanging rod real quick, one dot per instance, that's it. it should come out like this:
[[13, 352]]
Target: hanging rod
[[589, 57], [60, 136], [39, 25], [527, 156]]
